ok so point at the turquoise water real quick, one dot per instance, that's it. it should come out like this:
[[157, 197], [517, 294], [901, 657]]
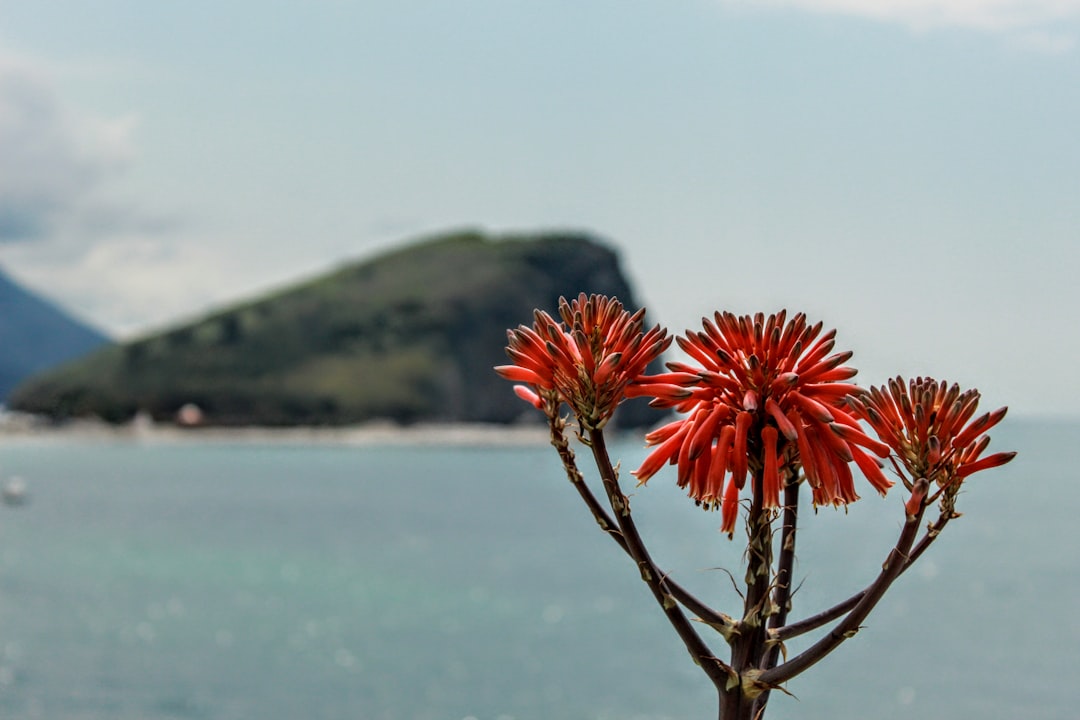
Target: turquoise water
[[213, 580]]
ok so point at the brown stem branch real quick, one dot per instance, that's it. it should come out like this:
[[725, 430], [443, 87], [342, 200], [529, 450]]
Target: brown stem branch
[[658, 583], [782, 592], [786, 565], [749, 646], [824, 617], [891, 569], [717, 620], [561, 444]]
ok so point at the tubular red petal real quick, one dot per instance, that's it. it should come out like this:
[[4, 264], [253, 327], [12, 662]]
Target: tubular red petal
[[783, 382], [670, 378], [515, 373], [959, 415], [685, 462], [979, 426], [933, 447], [562, 357], [703, 435], [606, 367], [845, 481], [812, 407], [842, 417], [815, 354], [823, 466], [835, 444], [871, 471], [719, 465], [672, 393], [663, 454], [831, 391], [698, 477], [782, 421], [852, 435], [990, 461], [715, 379], [807, 456], [696, 351], [829, 370], [770, 481], [583, 350], [540, 366], [918, 497], [730, 508], [739, 458], [662, 433], [529, 396]]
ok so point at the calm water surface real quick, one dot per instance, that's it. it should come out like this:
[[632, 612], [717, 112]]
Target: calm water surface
[[212, 580]]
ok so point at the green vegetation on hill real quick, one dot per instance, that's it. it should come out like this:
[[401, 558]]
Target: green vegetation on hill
[[410, 335]]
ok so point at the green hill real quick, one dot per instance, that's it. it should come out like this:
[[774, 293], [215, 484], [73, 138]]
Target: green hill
[[410, 336]]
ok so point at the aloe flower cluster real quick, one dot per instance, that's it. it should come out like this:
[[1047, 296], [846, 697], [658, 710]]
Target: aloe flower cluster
[[764, 406], [768, 391], [929, 427], [588, 360]]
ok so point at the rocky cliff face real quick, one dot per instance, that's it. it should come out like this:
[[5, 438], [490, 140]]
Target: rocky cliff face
[[35, 335], [409, 336]]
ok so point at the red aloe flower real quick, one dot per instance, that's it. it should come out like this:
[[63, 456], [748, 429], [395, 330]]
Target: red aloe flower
[[586, 361], [928, 425], [768, 398]]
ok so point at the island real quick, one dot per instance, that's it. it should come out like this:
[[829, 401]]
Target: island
[[408, 336]]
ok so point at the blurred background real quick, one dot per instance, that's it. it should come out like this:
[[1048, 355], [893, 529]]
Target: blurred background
[[907, 171]]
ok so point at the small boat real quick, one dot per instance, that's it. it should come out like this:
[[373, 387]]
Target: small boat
[[14, 491]]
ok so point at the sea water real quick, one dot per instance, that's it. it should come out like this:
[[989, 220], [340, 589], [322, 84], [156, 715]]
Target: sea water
[[148, 580]]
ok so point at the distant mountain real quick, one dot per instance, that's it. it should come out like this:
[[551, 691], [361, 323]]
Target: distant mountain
[[410, 336], [36, 334]]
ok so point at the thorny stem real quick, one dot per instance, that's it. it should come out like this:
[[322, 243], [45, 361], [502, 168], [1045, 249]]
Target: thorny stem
[[717, 620], [562, 445], [784, 572], [786, 564], [749, 646], [757, 639], [658, 583], [948, 512], [895, 563]]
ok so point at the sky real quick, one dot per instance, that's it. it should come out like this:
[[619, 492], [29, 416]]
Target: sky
[[906, 171]]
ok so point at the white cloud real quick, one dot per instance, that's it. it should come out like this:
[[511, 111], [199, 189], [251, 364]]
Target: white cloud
[[57, 161], [131, 282], [65, 228], [1031, 21]]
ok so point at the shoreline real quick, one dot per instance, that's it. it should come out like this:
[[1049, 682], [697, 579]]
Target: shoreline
[[22, 429]]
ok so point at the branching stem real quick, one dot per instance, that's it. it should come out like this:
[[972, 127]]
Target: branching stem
[[895, 563], [718, 671], [722, 623], [824, 617]]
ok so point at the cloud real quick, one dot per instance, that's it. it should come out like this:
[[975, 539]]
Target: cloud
[[66, 228], [126, 283], [1033, 24], [57, 161]]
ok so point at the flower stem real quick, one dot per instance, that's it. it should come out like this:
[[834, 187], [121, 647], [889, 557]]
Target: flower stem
[[719, 621], [784, 572], [717, 671], [748, 646], [824, 617], [894, 564]]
